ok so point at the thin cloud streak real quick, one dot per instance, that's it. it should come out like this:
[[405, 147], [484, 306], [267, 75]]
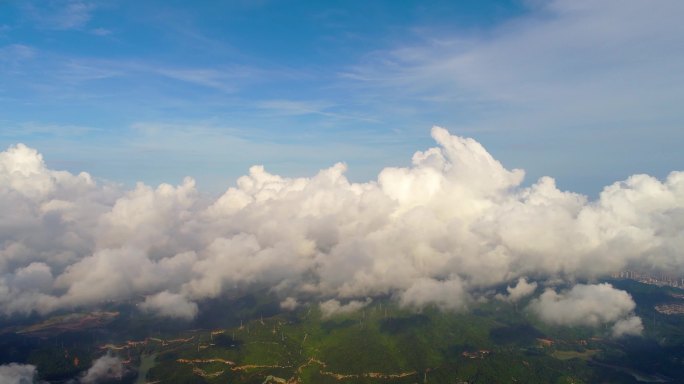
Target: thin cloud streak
[[603, 76], [60, 14]]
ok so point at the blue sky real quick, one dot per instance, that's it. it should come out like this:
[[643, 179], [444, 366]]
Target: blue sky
[[588, 92]]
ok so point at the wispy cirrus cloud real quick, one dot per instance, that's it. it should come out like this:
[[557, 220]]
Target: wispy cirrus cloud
[[57, 130], [60, 77], [284, 107], [16, 53], [60, 14], [101, 31], [604, 76], [564, 49], [224, 80]]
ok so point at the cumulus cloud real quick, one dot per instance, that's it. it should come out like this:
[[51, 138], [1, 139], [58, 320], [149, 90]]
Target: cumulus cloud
[[289, 304], [631, 326], [452, 225], [589, 305], [333, 307], [107, 367], [447, 295], [170, 305], [14, 373], [521, 289]]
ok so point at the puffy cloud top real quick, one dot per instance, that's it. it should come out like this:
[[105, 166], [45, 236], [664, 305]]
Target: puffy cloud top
[[589, 305], [14, 373], [520, 290], [584, 305], [452, 225], [106, 368]]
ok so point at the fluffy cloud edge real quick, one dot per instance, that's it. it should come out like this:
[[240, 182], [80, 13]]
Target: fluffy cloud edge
[[589, 305], [14, 373], [439, 232]]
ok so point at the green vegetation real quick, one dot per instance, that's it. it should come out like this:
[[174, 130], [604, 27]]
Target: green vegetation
[[250, 341]]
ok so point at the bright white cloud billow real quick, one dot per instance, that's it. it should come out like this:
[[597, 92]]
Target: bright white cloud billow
[[589, 305], [453, 225], [520, 290]]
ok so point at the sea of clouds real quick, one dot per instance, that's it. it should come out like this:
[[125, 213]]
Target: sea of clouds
[[444, 231]]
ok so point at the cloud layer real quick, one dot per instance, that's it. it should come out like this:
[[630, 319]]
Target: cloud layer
[[440, 232]]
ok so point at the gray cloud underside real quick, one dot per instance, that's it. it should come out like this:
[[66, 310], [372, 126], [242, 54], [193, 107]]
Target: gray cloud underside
[[453, 224], [14, 373]]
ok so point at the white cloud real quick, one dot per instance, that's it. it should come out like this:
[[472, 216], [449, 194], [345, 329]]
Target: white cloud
[[104, 369], [521, 289], [14, 373], [289, 304], [333, 307], [603, 76], [170, 305], [107, 367], [447, 295], [589, 305], [560, 51], [101, 31], [439, 232], [15, 54], [631, 326]]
